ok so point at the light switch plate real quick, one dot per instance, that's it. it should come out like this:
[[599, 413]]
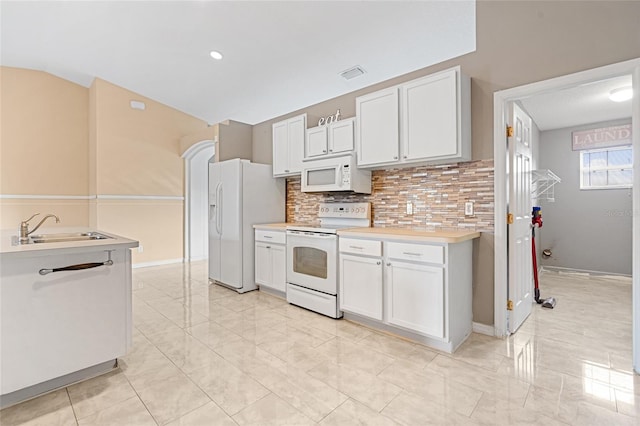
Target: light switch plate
[[409, 207], [468, 208]]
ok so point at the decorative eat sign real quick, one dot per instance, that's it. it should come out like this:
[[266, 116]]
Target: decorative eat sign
[[329, 119]]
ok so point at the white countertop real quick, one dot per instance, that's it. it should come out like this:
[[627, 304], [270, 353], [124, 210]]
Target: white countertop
[[41, 249], [449, 237]]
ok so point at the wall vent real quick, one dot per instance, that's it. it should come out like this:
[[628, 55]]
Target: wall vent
[[352, 72]]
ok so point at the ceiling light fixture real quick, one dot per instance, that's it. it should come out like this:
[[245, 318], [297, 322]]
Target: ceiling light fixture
[[216, 55], [622, 94]]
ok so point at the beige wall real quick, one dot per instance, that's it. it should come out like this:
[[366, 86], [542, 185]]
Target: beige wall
[[137, 155], [518, 42], [61, 139], [44, 131], [235, 141]]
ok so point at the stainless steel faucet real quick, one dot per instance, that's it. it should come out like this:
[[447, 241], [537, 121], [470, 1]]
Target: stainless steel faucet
[[24, 226]]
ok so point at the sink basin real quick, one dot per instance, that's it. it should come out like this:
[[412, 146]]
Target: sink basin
[[62, 238]]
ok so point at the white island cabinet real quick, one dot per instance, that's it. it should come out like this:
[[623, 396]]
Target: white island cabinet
[[416, 284], [65, 312]]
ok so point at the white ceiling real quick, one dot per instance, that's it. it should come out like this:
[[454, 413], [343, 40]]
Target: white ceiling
[[579, 105], [278, 56]]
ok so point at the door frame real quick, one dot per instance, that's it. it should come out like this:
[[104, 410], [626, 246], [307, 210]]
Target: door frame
[[500, 100], [188, 155]]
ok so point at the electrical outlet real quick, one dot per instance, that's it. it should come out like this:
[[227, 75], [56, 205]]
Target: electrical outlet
[[409, 207], [140, 248], [468, 208]]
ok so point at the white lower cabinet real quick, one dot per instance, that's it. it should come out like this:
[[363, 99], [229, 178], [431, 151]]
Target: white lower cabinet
[[415, 297], [420, 290], [270, 260], [361, 285]]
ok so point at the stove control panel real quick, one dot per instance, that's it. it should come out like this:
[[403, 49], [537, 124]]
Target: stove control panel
[[345, 210]]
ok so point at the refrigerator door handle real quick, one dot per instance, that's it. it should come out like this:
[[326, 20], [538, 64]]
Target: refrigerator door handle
[[219, 213]]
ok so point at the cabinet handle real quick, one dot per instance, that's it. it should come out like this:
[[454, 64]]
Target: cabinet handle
[[395, 157], [268, 247], [324, 151], [268, 237], [78, 267], [330, 150], [411, 254], [286, 171], [357, 247], [388, 263], [405, 156], [378, 263]]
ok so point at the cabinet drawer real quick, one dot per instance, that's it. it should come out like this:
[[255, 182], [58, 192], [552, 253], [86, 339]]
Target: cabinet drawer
[[364, 247], [416, 252], [275, 237]]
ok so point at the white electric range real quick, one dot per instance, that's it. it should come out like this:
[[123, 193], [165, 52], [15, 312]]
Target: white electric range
[[312, 256]]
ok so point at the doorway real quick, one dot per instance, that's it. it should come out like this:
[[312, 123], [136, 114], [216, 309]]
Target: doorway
[[501, 101], [196, 231]]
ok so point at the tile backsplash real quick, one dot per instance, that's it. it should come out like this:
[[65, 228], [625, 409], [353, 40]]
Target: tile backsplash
[[437, 194]]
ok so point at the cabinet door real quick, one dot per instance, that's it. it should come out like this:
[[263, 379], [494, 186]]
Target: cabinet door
[[430, 117], [56, 324], [361, 286], [377, 127], [278, 267], [341, 136], [263, 264], [297, 135], [316, 143], [280, 148], [415, 297]]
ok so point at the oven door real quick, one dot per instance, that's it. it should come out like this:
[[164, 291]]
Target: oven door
[[312, 260]]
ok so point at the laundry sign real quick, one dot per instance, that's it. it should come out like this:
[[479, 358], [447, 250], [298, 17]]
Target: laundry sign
[[603, 137]]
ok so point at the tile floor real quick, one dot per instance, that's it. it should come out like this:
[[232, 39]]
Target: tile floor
[[204, 355]]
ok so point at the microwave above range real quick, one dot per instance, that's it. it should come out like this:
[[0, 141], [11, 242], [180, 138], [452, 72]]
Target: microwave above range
[[335, 174]]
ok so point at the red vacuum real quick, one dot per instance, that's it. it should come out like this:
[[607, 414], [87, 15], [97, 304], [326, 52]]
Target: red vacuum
[[536, 219]]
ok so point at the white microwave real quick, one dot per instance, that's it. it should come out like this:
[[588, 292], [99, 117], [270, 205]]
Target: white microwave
[[335, 174]]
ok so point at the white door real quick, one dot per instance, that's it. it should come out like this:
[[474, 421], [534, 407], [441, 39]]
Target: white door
[[198, 204], [214, 221], [230, 208], [341, 136], [361, 285], [263, 264], [520, 289], [297, 134], [415, 297], [316, 143], [278, 267], [430, 117], [280, 148], [377, 127]]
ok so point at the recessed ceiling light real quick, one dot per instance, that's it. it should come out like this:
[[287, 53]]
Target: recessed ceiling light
[[622, 94], [216, 55]]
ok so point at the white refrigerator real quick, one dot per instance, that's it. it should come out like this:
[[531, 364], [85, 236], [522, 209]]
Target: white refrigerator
[[241, 194]]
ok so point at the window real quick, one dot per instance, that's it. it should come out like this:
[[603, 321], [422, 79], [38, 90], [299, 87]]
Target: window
[[606, 168]]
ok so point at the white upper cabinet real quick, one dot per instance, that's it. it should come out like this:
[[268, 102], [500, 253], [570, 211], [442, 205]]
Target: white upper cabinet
[[288, 145], [434, 117], [333, 138], [377, 118]]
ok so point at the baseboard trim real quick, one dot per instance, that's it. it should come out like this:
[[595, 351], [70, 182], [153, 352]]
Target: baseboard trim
[[580, 271], [157, 263], [488, 330]]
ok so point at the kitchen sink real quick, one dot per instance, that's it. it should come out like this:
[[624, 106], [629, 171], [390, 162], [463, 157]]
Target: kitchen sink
[[62, 238]]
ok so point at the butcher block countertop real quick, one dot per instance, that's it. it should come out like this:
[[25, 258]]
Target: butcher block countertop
[[450, 237]]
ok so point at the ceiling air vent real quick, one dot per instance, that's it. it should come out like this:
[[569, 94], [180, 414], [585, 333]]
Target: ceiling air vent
[[352, 72]]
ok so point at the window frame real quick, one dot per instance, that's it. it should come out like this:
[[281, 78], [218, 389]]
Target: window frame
[[605, 168]]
